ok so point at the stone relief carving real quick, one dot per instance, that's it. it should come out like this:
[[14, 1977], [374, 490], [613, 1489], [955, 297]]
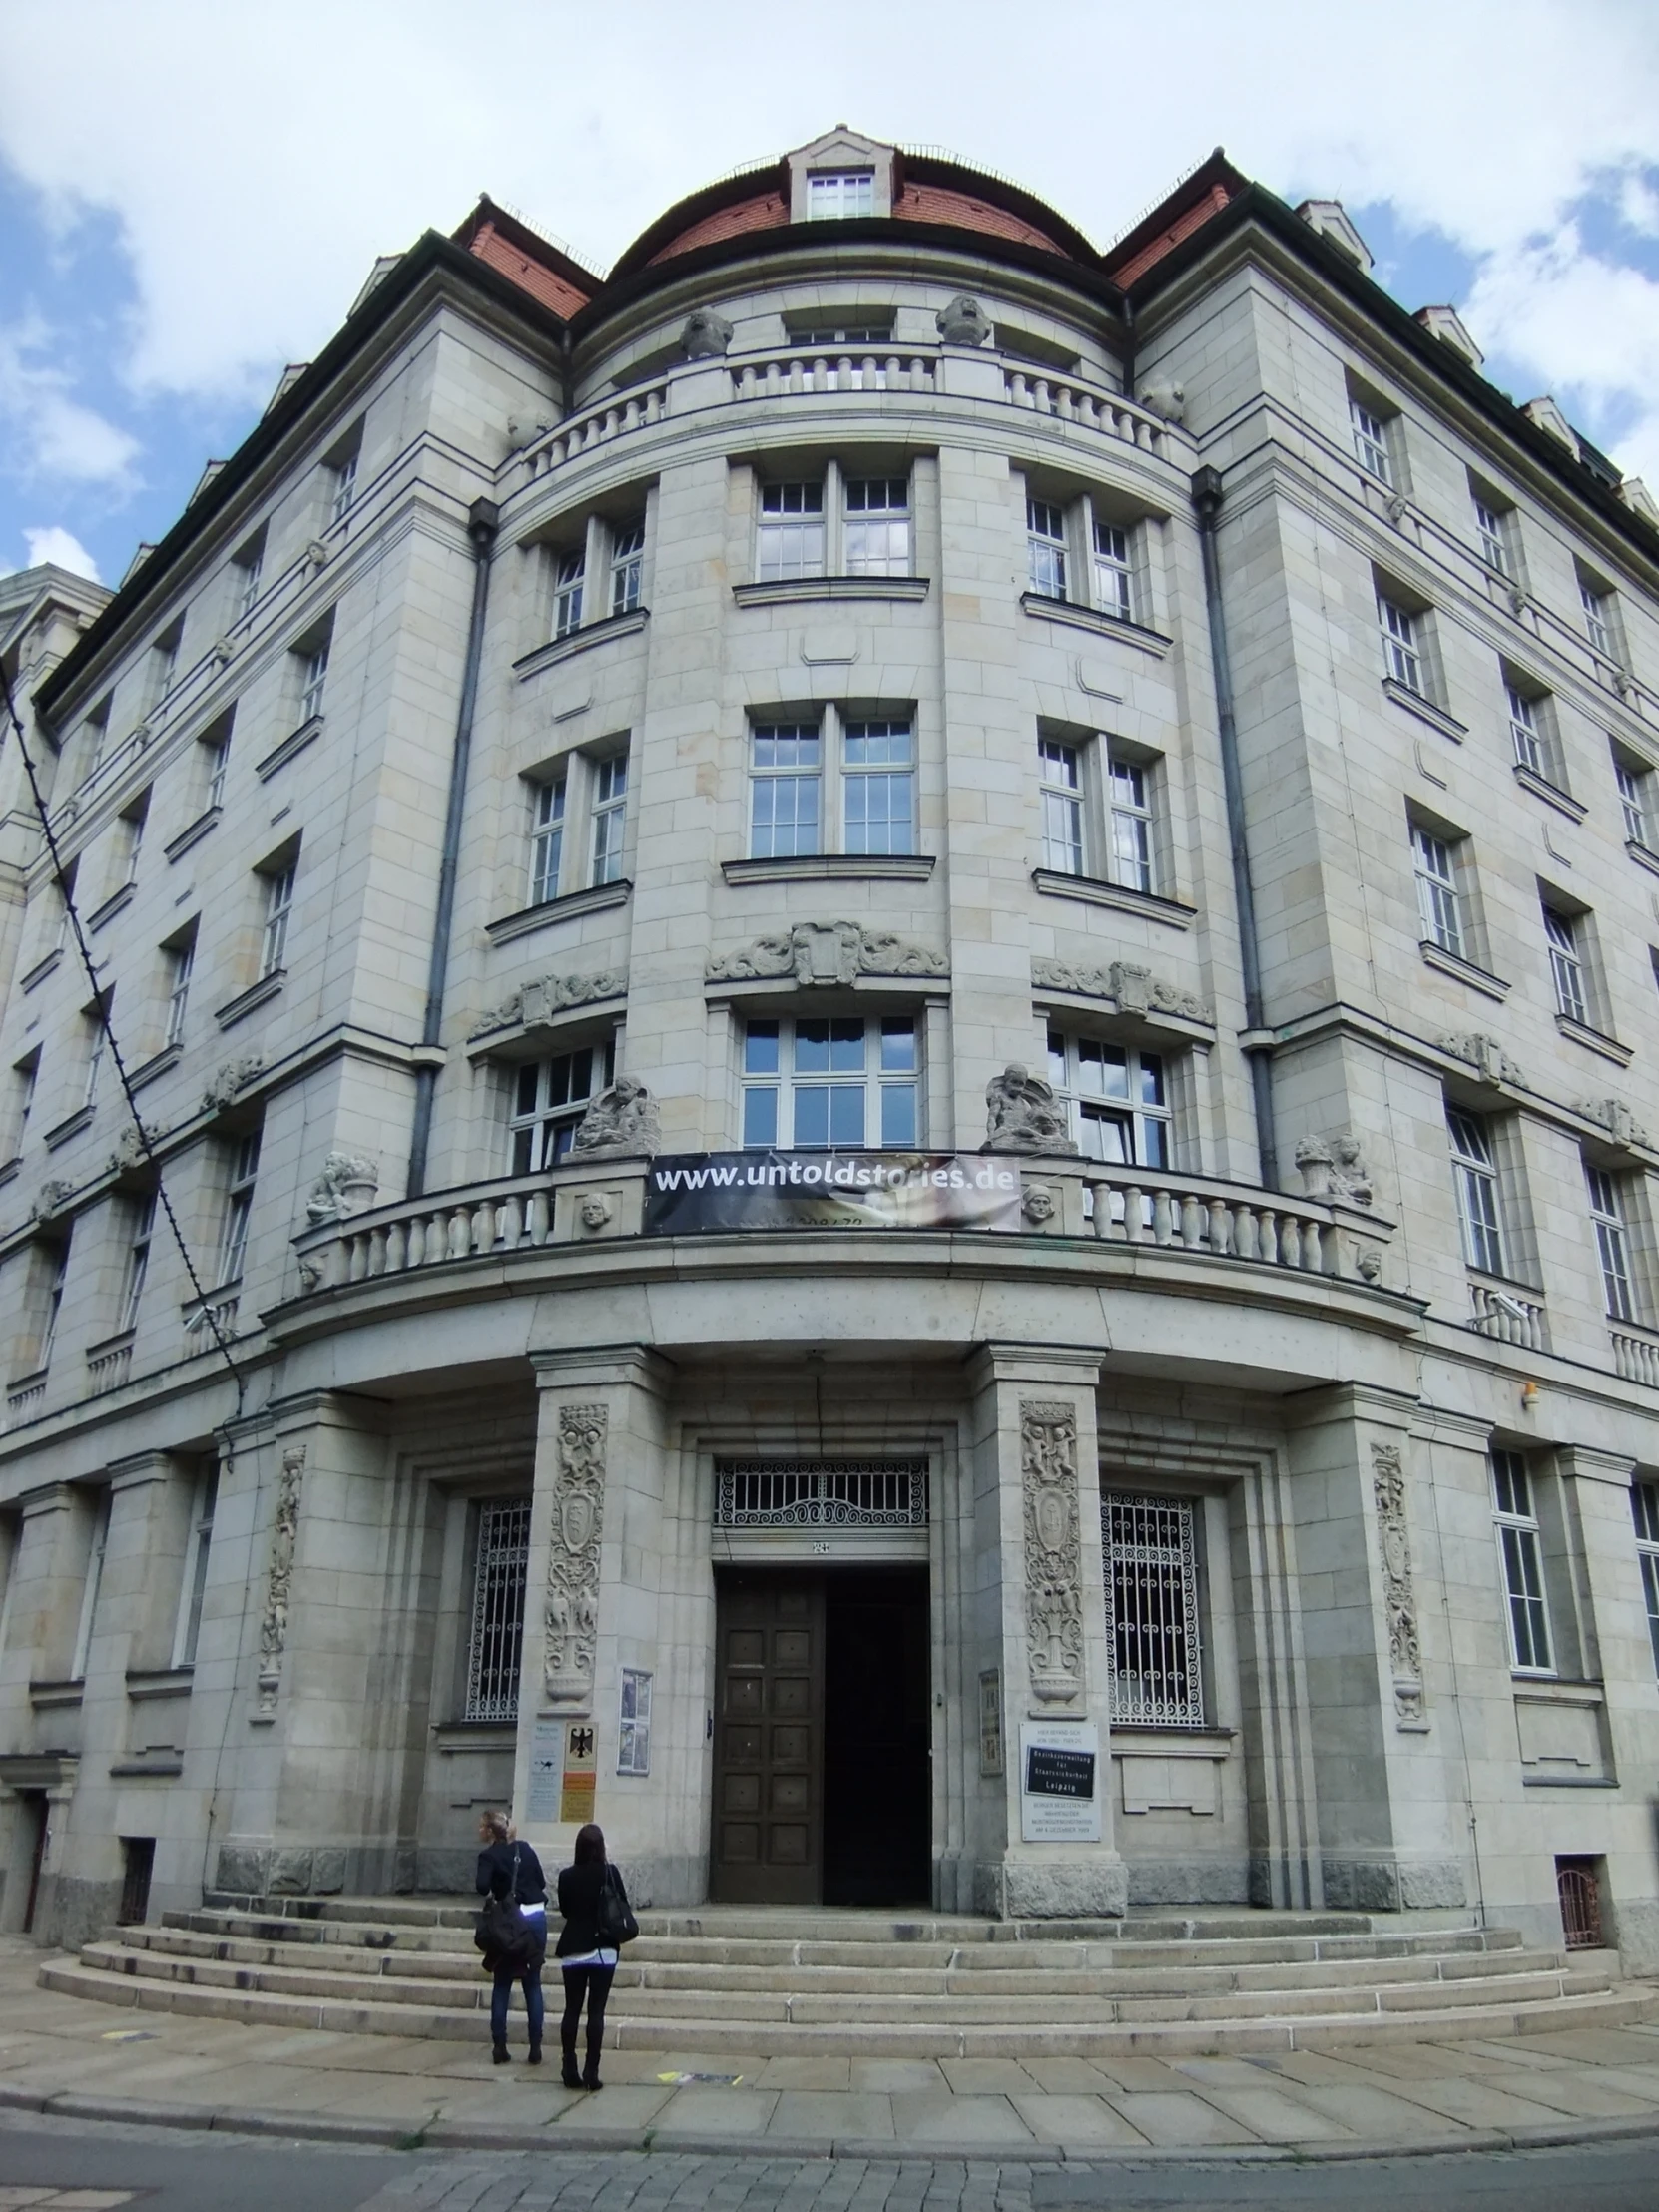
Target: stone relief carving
[[347, 1185], [1485, 1053], [963, 322], [1613, 1115], [1023, 1114], [594, 1212], [1168, 401], [1053, 1552], [227, 1081], [1388, 1477], [622, 1121], [828, 953], [706, 336], [273, 1625], [1136, 991], [1037, 1204], [132, 1147], [1335, 1167], [571, 1613], [552, 995], [54, 1194]]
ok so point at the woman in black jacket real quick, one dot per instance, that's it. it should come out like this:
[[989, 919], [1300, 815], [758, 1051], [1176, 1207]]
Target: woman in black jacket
[[588, 1964], [509, 1869]]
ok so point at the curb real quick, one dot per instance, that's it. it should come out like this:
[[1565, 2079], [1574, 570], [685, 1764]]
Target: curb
[[687, 2142]]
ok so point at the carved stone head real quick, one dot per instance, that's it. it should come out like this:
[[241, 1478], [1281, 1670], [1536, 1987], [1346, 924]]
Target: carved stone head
[[964, 322]]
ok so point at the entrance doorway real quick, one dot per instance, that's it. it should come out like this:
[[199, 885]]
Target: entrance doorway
[[822, 1784]]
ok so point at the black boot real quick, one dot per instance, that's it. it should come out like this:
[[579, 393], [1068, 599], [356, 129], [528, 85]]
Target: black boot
[[501, 2054], [535, 2054]]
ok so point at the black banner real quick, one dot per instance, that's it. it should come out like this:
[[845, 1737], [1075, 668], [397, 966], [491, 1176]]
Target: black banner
[[1052, 1773], [691, 1192]]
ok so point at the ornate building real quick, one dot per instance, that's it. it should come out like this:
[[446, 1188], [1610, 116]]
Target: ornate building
[[896, 985]]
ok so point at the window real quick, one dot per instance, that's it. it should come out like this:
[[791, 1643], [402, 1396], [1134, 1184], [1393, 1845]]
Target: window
[[1493, 524], [1524, 731], [790, 541], [547, 837], [877, 526], [878, 783], [139, 1227], [1635, 785], [1046, 536], [1113, 591], [278, 906], [568, 571], [313, 675], [97, 728], [1474, 1171], [549, 1099], [57, 1264], [1130, 814], [89, 1588], [215, 759], [1061, 770], [627, 565], [497, 1634], [1117, 1098], [835, 194], [239, 1205], [249, 565], [1403, 656], [1518, 1552], [1612, 1244], [66, 896], [1644, 1506], [128, 833], [1566, 963], [95, 1021], [25, 1082], [1439, 899], [343, 468], [195, 1586], [1152, 1633], [610, 807], [843, 1082], [181, 960], [867, 330], [1371, 440], [783, 781], [164, 660], [1597, 602]]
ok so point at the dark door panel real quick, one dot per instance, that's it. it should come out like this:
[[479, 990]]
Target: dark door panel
[[768, 1729]]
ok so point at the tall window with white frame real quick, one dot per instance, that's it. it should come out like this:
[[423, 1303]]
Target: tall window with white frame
[[204, 1504], [1045, 540], [549, 1099], [1118, 1098], [90, 1587], [784, 788], [877, 537], [1403, 645], [1474, 1173], [1440, 895], [238, 1206], [1612, 1242], [1519, 1547], [850, 1082], [343, 488], [547, 838], [141, 1223], [1524, 733], [314, 678], [1113, 587], [496, 1637], [215, 749], [95, 1023], [1372, 443], [55, 1257], [878, 784], [249, 565], [790, 540], [1564, 934], [1635, 787], [609, 812], [130, 839], [1596, 602], [1644, 1508], [569, 571], [181, 961], [1493, 525], [1129, 815], [279, 908], [1060, 781], [627, 565], [25, 1083], [1152, 1618], [837, 195]]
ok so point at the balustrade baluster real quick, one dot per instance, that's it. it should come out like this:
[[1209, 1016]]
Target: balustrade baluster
[[1101, 1199], [541, 1217], [460, 1234], [397, 1247], [1290, 1242], [1192, 1221], [1134, 1214], [377, 1250], [1266, 1237], [1161, 1223], [1221, 1226], [1244, 1231], [1312, 1255]]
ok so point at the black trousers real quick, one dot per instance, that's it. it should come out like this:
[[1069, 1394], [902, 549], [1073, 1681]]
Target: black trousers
[[589, 1986]]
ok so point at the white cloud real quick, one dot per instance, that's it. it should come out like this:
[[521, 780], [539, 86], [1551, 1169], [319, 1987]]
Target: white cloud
[[50, 435], [58, 545]]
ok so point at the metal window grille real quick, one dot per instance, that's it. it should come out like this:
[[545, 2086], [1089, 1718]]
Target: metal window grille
[[1152, 1610], [821, 1493], [1580, 1895], [498, 1609]]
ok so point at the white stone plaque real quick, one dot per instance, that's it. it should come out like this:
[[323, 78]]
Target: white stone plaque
[[1060, 1781], [547, 1761]]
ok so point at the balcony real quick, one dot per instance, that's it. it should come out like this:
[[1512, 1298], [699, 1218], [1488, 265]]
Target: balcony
[[1509, 1313], [1635, 1353]]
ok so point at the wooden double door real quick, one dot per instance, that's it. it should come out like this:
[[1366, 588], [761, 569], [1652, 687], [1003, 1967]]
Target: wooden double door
[[821, 1784]]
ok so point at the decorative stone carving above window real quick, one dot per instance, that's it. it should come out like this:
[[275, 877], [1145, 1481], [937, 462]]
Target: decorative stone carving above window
[[828, 953], [53, 1195], [229, 1080], [1335, 1167], [1487, 1054], [1399, 1592], [131, 1148], [1613, 1115], [1134, 990], [621, 1123], [571, 1618], [1023, 1114], [1053, 1550], [548, 995], [349, 1185]]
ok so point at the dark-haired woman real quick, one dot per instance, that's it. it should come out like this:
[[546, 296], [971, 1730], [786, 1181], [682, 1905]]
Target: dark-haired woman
[[588, 1964]]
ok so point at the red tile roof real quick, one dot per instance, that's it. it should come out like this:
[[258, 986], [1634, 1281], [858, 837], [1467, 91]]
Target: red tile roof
[[962, 211], [765, 212], [548, 285]]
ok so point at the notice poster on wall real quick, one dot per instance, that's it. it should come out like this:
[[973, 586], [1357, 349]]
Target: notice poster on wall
[[691, 1192], [581, 1772], [1059, 1785], [547, 1751]]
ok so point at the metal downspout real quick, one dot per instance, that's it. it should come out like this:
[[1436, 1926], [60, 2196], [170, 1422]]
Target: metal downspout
[[482, 520], [1207, 499]]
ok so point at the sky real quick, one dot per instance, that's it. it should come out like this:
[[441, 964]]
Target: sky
[[192, 192]]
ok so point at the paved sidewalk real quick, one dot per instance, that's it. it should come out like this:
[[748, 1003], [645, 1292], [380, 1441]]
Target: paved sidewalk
[[95, 2061]]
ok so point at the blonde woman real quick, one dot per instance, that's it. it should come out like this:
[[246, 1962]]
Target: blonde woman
[[509, 1869]]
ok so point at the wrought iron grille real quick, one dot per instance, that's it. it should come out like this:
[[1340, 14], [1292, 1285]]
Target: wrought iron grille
[[498, 1609], [1580, 1895], [821, 1493], [1152, 1610]]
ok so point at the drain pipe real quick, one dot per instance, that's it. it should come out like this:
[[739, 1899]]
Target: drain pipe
[[1207, 499], [482, 520]]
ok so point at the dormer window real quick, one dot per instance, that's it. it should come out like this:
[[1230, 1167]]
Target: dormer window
[[835, 194]]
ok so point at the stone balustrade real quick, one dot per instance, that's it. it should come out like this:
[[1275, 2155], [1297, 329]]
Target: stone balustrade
[[610, 418], [511, 1214], [779, 375], [1072, 401], [25, 1402], [1508, 1315], [1231, 1221], [1636, 1354], [201, 1314], [108, 1367]]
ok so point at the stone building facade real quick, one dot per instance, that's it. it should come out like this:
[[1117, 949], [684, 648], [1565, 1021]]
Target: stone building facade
[[897, 984]]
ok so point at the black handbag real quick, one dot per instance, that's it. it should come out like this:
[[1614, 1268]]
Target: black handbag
[[617, 1924], [502, 1933]]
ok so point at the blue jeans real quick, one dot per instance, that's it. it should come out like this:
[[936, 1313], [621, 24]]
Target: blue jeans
[[501, 1996]]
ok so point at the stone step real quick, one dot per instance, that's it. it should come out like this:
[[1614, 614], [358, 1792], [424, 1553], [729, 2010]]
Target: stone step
[[719, 2036]]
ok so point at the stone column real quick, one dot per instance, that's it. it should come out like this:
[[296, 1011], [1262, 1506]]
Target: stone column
[[1041, 1622]]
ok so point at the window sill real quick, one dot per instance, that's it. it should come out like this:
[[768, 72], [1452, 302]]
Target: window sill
[[64, 1130], [154, 1682], [529, 919], [810, 867], [246, 1001], [1640, 854], [192, 833], [1175, 913], [453, 1736], [785, 590], [1092, 619], [1425, 709], [101, 916], [157, 1065], [44, 1694], [1551, 794], [9, 1168], [1592, 1040], [122, 1339], [1452, 963], [289, 749], [578, 640], [41, 970], [1568, 1782], [165, 1767]]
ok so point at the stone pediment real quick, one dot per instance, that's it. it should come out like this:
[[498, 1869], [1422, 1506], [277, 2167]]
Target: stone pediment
[[827, 953], [537, 1003], [1131, 989]]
